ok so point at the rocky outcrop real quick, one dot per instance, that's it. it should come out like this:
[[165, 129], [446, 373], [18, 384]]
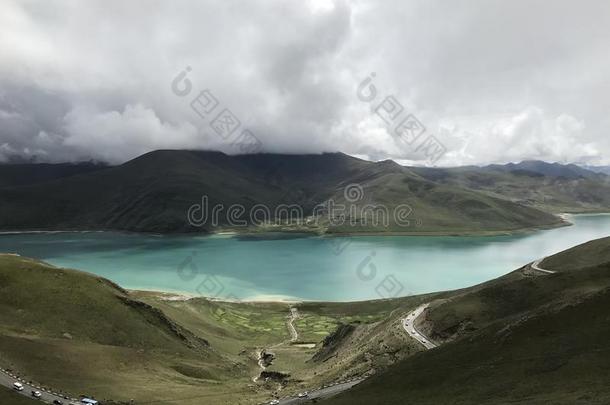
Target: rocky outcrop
[[158, 318], [273, 376], [332, 342], [265, 358]]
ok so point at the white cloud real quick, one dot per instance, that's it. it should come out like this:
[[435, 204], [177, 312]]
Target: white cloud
[[528, 79], [530, 134], [116, 136]]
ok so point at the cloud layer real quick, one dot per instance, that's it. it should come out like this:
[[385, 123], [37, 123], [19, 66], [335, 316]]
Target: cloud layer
[[494, 81]]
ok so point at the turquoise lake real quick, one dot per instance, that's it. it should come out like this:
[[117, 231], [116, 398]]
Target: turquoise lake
[[299, 266]]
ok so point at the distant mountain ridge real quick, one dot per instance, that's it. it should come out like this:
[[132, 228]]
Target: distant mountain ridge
[[153, 192], [570, 171], [546, 186], [19, 174], [597, 169]]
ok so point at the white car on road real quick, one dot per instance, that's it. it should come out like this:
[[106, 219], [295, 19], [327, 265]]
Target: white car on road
[[18, 386]]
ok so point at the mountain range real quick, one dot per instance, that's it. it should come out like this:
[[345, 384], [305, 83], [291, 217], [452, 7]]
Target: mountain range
[[154, 192]]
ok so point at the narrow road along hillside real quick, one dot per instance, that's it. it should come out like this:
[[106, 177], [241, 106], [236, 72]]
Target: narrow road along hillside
[[408, 324]]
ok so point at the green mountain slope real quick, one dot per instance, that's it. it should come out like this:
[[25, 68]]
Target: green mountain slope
[[100, 312], [546, 186], [567, 171], [25, 174], [523, 338], [154, 192], [79, 333], [590, 254]]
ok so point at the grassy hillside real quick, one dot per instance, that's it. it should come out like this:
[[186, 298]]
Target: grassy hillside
[[523, 338], [593, 253], [79, 333], [154, 192], [33, 293], [443, 209], [560, 357], [549, 187], [7, 396], [360, 338], [21, 174], [241, 329]]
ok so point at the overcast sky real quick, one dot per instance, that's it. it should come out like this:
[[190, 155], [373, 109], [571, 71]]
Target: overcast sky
[[493, 81]]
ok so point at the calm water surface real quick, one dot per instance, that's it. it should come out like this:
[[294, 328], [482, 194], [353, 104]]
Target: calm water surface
[[301, 267]]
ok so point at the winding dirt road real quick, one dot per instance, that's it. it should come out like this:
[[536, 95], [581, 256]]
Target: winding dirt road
[[536, 266], [294, 315]]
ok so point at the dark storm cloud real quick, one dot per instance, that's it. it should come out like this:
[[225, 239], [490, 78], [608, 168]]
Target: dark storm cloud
[[494, 80]]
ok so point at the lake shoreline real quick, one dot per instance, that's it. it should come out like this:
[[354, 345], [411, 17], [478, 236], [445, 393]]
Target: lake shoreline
[[183, 296], [417, 265], [563, 221]]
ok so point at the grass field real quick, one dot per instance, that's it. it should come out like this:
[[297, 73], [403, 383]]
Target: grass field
[[225, 325], [241, 329]]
